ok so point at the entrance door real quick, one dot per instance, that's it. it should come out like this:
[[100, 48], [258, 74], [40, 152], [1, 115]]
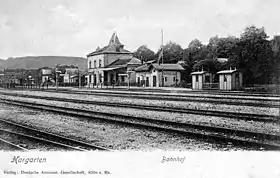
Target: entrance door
[[225, 82], [105, 78], [154, 81], [138, 81], [147, 81]]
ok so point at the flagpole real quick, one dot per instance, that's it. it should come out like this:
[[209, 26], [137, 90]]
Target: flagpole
[[162, 44], [162, 56]]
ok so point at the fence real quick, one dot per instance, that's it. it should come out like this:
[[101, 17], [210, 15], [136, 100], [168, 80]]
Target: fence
[[210, 86]]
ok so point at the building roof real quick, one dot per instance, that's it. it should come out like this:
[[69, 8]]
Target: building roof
[[222, 59], [170, 67], [228, 71], [121, 63], [114, 46], [198, 72], [134, 60], [114, 40], [142, 68]]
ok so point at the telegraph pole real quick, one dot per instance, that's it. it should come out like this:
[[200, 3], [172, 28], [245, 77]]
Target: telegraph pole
[[79, 77]]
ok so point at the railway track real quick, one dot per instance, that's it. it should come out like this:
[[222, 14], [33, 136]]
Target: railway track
[[55, 140], [225, 99], [241, 116], [209, 133], [143, 90], [7, 145]]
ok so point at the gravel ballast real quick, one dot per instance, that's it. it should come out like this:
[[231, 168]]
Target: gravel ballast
[[112, 136], [256, 126]]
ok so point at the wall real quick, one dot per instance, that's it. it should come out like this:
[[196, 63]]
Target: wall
[[95, 58], [171, 75]]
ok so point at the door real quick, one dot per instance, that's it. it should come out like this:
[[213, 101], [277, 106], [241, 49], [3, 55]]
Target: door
[[138, 81], [154, 81], [225, 82], [147, 81]]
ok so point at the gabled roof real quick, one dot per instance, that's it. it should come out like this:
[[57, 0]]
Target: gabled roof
[[124, 62], [114, 46], [168, 67], [198, 72], [134, 60], [142, 68], [119, 62]]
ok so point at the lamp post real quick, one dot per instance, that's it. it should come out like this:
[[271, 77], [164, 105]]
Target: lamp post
[[57, 75], [79, 77], [129, 71]]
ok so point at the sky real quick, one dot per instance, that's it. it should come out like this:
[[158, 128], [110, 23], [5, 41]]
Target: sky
[[77, 27]]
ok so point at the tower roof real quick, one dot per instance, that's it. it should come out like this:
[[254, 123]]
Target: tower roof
[[115, 40], [114, 46]]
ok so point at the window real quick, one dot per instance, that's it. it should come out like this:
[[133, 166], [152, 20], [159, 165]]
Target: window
[[174, 79], [94, 64], [100, 78], [196, 78], [122, 78], [89, 64], [165, 78], [99, 62], [225, 78]]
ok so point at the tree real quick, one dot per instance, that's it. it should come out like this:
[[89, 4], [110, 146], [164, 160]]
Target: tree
[[253, 54], [274, 66], [195, 52], [144, 53], [172, 52]]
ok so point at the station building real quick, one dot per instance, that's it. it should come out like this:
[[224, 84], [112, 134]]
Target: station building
[[155, 75], [111, 64]]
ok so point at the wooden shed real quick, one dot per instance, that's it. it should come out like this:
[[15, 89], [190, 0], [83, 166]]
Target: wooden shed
[[230, 79], [200, 78]]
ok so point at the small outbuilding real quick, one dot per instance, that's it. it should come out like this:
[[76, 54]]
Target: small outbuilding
[[230, 79], [200, 78]]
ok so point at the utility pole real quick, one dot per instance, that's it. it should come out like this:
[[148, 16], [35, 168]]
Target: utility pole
[[79, 78], [57, 75], [162, 57]]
